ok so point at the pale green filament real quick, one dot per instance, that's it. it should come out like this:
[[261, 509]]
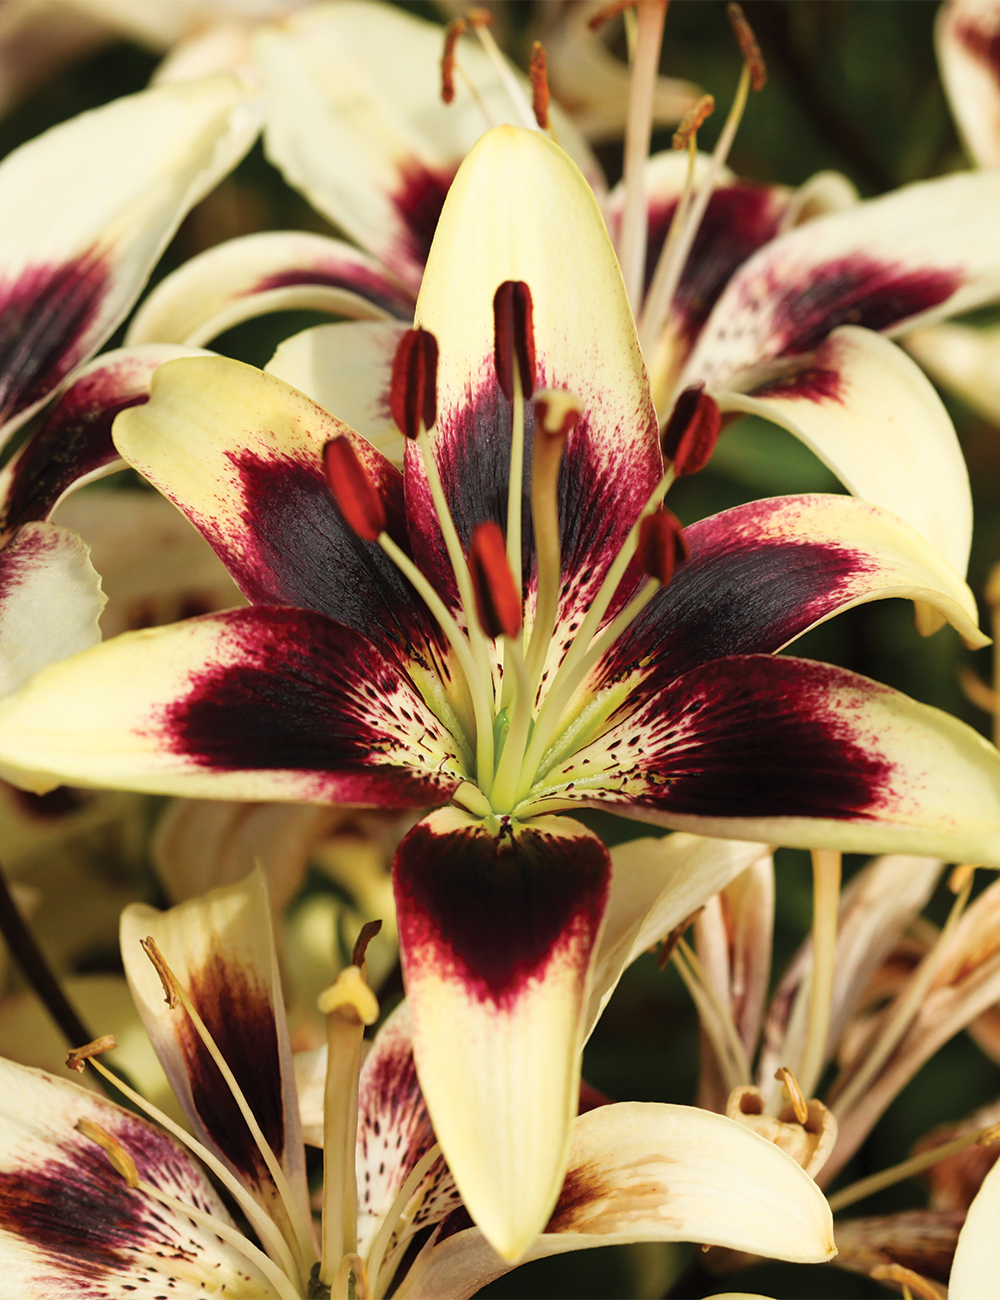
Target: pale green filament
[[507, 779]]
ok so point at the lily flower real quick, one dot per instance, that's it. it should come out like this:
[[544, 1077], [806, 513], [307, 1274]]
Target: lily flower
[[380, 667], [144, 1212]]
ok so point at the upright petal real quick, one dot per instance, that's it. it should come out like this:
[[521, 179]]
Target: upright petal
[[221, 950], [497, 939], [967, 37], [75, 259], [69, 1224]]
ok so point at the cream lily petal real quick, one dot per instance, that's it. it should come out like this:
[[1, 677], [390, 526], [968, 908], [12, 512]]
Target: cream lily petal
[[355, 120], [869, 413], [975, 1272], [277, 270], [646, 1171], [69, 1224], [50, 601], [966, 34], [963, 359], [221, 951], [347, 369], [656, 885], [128, 173]]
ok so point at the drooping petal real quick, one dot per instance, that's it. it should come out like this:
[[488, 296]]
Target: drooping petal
[[241, 454], [656, 884], [975, 1272], [962, 359], [73, 445], [653, 1172], [869, 413], [251, 704], [798, 753], [761, 575], [355, 121], [275, 270], [520, 211], [916, 255], [497, 938], [70, 1225], [967, 39], [347, 369], [128, 172], [221, 950], [50, 601]]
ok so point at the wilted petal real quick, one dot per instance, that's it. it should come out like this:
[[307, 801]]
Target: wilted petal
[[276, 270], [923, 1240], [347, 369], [69, 1224], [50, 601], [869, 413], [256, 703], [128, 172], [955, 1180], [221, 951], [497, 938], [967, 37]]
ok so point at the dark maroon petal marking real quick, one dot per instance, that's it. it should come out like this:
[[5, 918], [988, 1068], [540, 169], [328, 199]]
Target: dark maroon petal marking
[[47, 315], [757, 736], [366, 283], [418, 201], [736, 594], [493, 912], [852, 290], [296, 701], [810, 382], [982, 43]]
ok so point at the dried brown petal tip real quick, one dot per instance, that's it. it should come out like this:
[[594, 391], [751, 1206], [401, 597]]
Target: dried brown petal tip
[[514, 337], [538, 72], [662, 545], [353, 490], [413, 392], [607, 12], [498, 601], [692, 431], [77, 1058], [749, 48], [692, 120], [368, 932], [456, 28], [557, 411]]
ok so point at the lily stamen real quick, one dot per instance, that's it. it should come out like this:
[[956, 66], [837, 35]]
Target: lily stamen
[[480, 20], [538, 75], [796, 1097], [389, 1224]]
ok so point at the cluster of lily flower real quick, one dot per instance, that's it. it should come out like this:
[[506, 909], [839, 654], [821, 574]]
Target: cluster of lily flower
[[442, 577]]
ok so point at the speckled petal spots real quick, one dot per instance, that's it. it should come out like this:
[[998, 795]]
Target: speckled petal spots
[[967, 37], [276, 270], [250, 704], [70, 1226], [497, 937], [520, 210]]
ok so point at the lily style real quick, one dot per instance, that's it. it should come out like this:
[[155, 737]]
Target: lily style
[[92, 1196], [390, 659]]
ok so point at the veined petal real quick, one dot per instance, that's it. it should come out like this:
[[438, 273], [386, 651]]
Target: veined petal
[[646, 1171], [656, 884], [869, 413], [50, 601], [963, 359], [275, 270], [520, 210], [251, 704], [355, 120], [975, 1272], [762, 574], [967, 39], [73, 445], [497, 938], [798, 753], [921, 253], [128, 172], [347, 368], [241, 453], [69, 1224], [221, 950]]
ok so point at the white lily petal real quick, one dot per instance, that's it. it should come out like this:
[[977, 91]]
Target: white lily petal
[[966, 34], [975, 1272], [962, 359]]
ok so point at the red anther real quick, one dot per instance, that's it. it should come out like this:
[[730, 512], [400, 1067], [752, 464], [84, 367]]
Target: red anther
[[691, 121], [538, 72], [352, 489], [515, 337], [692, 431], [413, 394], [609, 11], [456, 28], [498, 601], [557, 411], [662, 545], [749, 48]]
